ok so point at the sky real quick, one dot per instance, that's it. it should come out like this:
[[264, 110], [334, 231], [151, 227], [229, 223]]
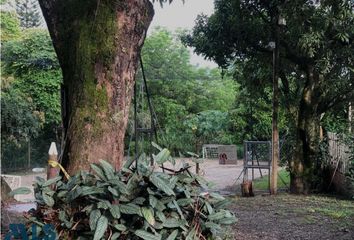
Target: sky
[[182, 15]]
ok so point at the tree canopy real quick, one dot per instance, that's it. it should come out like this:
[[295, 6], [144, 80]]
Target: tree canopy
[[316, 54]]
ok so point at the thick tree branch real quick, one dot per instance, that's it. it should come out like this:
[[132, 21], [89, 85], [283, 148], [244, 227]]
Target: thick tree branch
[[334, 101]]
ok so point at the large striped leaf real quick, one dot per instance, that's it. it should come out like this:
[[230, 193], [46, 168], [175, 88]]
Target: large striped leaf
[[161, 216], [228, 220], [148, 214], [173, 181], [221, 204], [63, 217], [86, 190], [185, 201], [209, 207], [94, 216], [62, 194], [120, 185], [104, 204], [115, 236], [108, 169], [139, 200], [133, 183], [20, 190], [178, 209], [74, 193], [115, 211], [113, 191], [213, 226], [173, 223], [144, 169], [101, 228], [192, 235], [146, 235], [217, 196], [99, 171], [51, 181], [130, 208], [156, 146], [161, 184], [162, 156], [173, 235], [152, 201], [217, 216], [120, 227], [48, 200], [160, 206]]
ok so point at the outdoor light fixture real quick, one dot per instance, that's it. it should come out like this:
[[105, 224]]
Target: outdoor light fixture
[[271, 45], [281, 21]]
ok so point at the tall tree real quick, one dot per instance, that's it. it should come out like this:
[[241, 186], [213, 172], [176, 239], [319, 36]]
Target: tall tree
[[316, 49], [98, 44], [29, 13]]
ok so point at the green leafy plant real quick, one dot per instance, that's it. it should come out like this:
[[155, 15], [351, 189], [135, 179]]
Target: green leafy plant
[[133, 203]]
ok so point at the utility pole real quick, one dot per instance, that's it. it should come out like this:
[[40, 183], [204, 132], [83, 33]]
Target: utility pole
[[29, 153], [275, 131], [350, 116]]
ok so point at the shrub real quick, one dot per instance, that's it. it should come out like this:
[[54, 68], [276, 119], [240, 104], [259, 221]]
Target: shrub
[[133, 203]]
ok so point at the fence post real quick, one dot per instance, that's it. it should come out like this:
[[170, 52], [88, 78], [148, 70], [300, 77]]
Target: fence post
[[52, 172]]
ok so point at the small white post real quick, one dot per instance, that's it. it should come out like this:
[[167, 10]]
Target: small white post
[[52, 172]]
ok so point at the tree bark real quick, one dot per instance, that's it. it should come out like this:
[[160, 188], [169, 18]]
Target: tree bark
[[303, 169], [98, 43], [275, 115]]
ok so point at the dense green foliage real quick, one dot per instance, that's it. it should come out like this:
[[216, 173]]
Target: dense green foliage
[[137, 203], [192, 104], [31, 63], [316, 54], [19, 119], [10, 26], [234, 39]]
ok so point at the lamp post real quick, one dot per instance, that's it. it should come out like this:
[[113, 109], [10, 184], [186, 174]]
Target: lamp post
[[275, 131]]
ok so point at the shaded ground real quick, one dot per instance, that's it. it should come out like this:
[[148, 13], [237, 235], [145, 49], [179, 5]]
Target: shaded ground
[[293, 217], [265, 217], [223, 176]]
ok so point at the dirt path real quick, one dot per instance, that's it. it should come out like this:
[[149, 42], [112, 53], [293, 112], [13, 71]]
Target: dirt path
[[293, 217], [223, 177]]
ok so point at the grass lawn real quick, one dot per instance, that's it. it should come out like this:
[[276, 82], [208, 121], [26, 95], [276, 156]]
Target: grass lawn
[[262, 183]]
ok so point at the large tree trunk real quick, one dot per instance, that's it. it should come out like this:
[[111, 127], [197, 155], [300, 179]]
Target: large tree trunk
[[98, 43], [303, 167]]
